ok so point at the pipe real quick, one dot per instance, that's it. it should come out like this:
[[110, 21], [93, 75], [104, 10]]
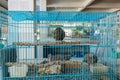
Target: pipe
[[4, 4]]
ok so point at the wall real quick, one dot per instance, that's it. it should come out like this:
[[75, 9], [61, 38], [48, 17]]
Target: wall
[[21, 5], [23, 31]]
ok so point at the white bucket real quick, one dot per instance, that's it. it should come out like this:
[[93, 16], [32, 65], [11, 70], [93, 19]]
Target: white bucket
[[18, 70], [99, 68]]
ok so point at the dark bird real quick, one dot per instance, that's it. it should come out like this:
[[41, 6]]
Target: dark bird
[[59, 34]]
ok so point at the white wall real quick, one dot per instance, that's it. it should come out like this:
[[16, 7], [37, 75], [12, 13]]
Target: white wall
[[43, 31], [26, 5], [23, 31], [26, 34], [21, 5]]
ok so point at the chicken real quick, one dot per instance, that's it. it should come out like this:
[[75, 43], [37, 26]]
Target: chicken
[[90, 59]]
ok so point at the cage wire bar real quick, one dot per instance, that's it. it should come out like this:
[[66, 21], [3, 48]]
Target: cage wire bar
[[87, 52]]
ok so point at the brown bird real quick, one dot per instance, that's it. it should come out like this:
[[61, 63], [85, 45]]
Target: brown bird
[[90, 58]]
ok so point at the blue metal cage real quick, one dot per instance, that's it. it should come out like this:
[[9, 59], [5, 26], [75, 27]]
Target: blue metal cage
[[32, 50]]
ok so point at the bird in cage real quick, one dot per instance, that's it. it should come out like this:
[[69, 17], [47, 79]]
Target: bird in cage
[[59, 34], [95, 66], [90, 59]]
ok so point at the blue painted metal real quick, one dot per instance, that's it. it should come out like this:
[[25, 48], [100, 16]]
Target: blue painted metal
[[105, 51]]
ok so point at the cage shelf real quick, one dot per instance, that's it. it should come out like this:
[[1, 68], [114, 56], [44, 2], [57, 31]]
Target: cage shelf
[[54, 43]]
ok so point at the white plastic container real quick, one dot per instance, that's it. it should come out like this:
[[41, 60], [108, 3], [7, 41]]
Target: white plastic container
[[98, 68], [18, 70]]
